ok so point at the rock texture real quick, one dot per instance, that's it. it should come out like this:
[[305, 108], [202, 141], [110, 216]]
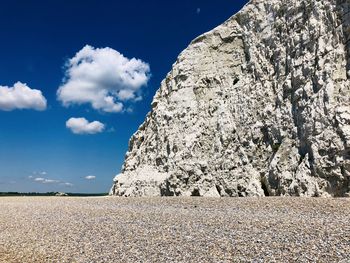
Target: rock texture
[[257, 106]]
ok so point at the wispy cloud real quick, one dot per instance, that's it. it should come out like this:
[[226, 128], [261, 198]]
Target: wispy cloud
[[67, 184], [90, 177], [39, 179], [111, 129], [104, 78], [43, 173], [20, 96], [83, 126], [198, 10], [44, 180]]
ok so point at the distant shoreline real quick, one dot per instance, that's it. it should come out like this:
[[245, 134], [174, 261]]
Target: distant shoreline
[[4, 194]]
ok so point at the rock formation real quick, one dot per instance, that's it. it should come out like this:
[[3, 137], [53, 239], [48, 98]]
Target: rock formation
[[258, 106]]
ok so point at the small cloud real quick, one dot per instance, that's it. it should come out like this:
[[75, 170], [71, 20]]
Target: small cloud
[[198, 10], [83, 126], [67, 184], [20, 96], [90, 177], [111, 129], [40, 173], [104, 78], [30, 177], [39, 179], [49, 181], [130, 110]]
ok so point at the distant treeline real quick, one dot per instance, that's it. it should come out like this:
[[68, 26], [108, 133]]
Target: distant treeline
[[49, 194]]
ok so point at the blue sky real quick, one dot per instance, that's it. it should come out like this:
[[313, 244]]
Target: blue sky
[[73, 59]]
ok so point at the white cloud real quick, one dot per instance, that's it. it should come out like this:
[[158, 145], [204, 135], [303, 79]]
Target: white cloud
[[45, 181], [49, 181], [90, 177], [20, 96], [83, 126], [39, 179], [104, 78], [40, 173]]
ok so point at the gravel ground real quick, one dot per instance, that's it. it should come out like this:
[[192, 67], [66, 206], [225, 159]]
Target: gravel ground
[[112, 229]]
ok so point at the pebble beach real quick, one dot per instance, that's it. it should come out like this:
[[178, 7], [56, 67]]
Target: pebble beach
[[116, 229]]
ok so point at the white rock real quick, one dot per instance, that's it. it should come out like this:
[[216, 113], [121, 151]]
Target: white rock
[[258, 106]]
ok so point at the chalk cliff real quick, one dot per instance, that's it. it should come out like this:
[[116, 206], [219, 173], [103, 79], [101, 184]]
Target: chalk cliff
[[258, 106]]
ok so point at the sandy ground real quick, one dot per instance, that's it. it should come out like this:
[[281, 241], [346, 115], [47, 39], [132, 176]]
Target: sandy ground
[[112, 229]]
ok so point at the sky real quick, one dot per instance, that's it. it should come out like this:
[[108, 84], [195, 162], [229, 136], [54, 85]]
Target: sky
[[77, 79]]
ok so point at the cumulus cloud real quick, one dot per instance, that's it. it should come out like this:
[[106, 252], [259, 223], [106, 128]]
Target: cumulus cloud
[[90, 177], [83, 126], [20, 96], [103, 78]]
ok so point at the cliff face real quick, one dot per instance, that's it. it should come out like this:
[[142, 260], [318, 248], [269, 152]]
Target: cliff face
[[258, 106]]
